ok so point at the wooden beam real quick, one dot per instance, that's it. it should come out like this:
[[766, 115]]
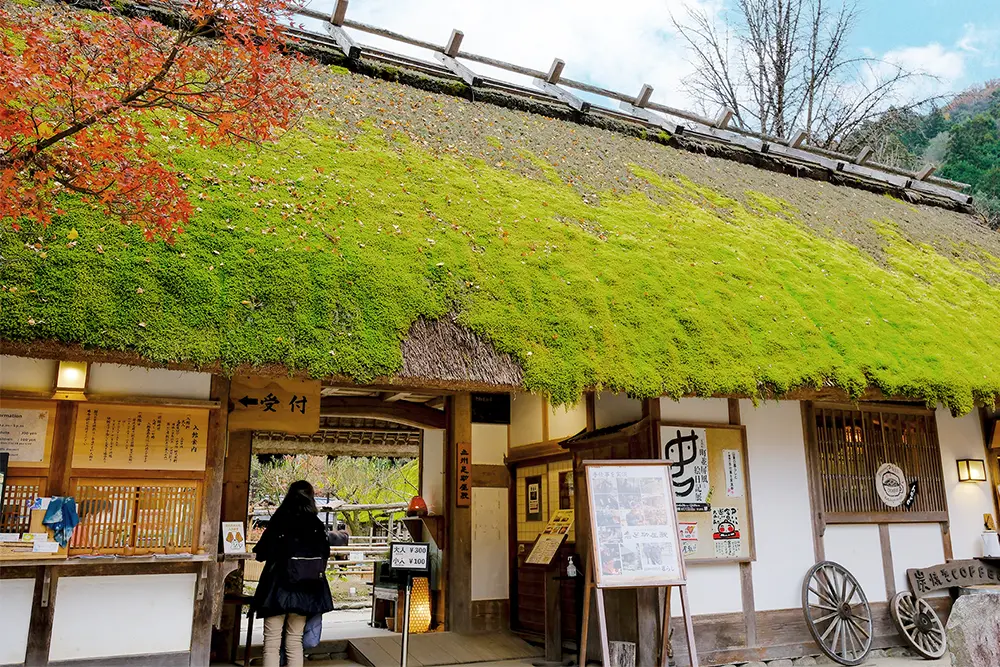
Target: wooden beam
[[343, 40], [926, 172], [43, 610], [798, 139], [746, 568], [722, 120], [459, 70], [643, 97], [539, 450], [563, 95], [211, 516], [555, 71], [887, 567], [490, 476], [412, 414], [454, 43], [863, 155], [459, 520], [339, 13], [389, 397], [812, 478]]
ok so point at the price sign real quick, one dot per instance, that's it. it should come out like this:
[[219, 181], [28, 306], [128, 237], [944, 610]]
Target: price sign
[[411, 557]]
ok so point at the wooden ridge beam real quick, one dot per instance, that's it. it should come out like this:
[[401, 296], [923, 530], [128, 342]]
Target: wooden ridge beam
[[412, 414], [548, 84], [335, 28]]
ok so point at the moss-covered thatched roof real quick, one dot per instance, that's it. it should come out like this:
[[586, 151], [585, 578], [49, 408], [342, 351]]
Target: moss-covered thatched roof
[[400, 233]]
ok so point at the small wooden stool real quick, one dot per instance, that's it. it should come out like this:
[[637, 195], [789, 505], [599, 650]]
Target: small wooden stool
[[238, 601]]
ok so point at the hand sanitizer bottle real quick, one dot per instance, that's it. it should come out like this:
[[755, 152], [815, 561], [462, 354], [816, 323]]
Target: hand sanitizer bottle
[[570, 567]]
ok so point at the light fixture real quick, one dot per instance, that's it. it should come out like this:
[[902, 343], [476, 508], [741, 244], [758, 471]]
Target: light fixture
[[971, 470], [72, 376]]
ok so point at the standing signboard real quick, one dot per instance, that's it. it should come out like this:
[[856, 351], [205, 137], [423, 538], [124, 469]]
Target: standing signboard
[[409, 558], [635, 541]]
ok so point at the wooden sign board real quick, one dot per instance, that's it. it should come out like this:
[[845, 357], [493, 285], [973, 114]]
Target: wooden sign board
[[285, 405], [711, 490], [633, 525], [548, 543], [140, 437], [952, 574], [463, 475], [26, 429]]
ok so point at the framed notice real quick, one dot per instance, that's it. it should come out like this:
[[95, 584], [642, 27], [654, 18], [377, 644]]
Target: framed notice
[[711, 490], [234, 540], [533, 497], [140, 437], [411, 557], [633, 524], [26, 429], [548, 543]]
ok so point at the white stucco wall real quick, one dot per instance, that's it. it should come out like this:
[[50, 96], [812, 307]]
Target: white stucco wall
[[857, 547], [15, 615], [100, 617], [432, 484], [489, 443], [567, 420], [133, 380], [962, 438], [779, 494], [490, 572], [914, 545], [525, 419], [611, 409], [709, 410], [23, 374]]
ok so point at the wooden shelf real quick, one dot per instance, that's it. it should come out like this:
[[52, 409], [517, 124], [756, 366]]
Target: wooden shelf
[[433, 522], [135, 401], [63, 561]]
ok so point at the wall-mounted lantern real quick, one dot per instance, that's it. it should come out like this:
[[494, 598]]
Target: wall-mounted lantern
[[72, 377], [971, 470]]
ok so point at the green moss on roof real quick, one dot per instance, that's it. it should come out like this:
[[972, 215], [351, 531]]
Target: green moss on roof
[[319, 255]]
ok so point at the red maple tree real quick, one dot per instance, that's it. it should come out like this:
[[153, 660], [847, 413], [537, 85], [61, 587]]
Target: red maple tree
[[85, 98]]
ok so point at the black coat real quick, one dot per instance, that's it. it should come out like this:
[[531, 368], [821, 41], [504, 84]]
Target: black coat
[[275, 595]]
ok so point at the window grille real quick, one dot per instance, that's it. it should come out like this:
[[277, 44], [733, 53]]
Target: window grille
[[15, 516], [850, 443]]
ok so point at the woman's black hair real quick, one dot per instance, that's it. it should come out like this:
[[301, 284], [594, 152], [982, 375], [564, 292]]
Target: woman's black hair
[[300, 499]]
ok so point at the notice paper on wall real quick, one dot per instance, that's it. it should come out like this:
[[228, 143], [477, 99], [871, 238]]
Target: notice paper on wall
[[733, 465]]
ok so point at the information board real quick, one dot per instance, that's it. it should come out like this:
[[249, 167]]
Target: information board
[[140, 438], [286, 405], [710, 485], [633, 524], [548, 543], [413, 557], [26, 429]]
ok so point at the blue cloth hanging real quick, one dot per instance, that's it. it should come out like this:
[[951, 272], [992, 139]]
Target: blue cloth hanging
[[62, 518]]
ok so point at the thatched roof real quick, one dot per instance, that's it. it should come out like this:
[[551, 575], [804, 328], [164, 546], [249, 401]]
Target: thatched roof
[[402, 235]]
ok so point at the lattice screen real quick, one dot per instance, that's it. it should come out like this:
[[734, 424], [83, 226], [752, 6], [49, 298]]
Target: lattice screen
[[852, 444], [20, 494], [136, 516]]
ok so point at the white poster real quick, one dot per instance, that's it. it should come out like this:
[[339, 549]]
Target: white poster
[[687, 450], [636, 534], [732, 461], [234, 539], [23, 432]]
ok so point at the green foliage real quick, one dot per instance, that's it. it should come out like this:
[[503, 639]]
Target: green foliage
[[321, 255]]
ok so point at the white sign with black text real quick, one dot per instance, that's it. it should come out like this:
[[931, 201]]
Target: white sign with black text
[[413, 556]]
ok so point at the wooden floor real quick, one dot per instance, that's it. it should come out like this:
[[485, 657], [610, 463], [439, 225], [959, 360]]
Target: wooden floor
[[441, 648]]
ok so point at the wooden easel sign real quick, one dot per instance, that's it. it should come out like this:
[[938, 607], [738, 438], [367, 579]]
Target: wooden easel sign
[[635, 542]]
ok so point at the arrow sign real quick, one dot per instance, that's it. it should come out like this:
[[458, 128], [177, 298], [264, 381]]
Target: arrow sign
[[247, 401]]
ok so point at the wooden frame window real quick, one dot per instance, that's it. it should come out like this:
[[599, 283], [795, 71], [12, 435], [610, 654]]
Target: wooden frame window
[[850, 444]]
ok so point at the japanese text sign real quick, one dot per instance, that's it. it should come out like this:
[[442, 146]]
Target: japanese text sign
[[140, 438], [463, 475], [410, 556], [953, 574], [284, 404]]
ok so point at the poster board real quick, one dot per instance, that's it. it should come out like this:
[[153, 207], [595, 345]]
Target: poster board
[[26, 429], [634, 530], [548, 543], [129, 437], [234, 539], [711, 490]]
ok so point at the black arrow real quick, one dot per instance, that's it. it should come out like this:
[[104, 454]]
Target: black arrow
[[247, 401]]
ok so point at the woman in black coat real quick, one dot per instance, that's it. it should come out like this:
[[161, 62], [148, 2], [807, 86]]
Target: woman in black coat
[[293, 585]]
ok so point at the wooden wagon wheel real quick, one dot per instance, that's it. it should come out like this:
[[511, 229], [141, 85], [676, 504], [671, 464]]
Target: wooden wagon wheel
[[919, 624], [837, 613]]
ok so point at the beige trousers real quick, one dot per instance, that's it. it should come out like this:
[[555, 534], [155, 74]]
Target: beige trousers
[[291, 625]]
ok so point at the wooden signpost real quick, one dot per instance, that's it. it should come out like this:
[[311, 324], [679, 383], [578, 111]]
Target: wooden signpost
[[285, 404], [543, 555], [635, 543]]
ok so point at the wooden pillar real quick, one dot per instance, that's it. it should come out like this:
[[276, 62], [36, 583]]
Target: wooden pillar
[[459, 520], [211, 515], [235, 500], [43, 605], [746, 569], [649, 628]]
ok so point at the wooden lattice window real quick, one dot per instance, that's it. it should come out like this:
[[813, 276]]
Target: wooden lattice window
[[850, 444], [136, 516], [15, 517]]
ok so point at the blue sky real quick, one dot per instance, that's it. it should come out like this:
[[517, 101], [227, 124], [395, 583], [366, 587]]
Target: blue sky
[[957, 39], [626, 43]]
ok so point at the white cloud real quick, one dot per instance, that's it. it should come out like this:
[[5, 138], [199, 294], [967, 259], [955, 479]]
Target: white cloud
[[614, 45]]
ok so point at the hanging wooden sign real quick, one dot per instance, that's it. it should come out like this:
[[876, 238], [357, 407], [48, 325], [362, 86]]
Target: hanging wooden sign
[[285, 405], [26, 429], [140, 437], [463, 475]]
